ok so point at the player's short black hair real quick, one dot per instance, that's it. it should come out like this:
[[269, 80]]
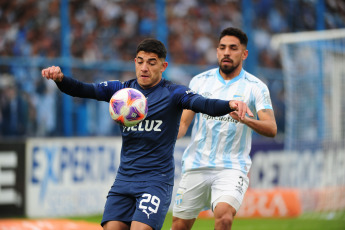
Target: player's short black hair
[[231, 31], [152, 45]]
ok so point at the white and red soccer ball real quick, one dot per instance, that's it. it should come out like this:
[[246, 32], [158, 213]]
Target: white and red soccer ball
[[128, 107]]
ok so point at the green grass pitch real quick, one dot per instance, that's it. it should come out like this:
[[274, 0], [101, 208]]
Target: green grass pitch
[[305, 222]]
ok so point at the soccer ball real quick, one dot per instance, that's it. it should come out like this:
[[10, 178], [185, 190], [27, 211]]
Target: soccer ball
[[128, 107]]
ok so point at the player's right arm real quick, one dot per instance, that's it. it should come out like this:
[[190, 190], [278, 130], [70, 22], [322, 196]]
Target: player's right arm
[[186, 119], [69, 85], [101, 91], [54, 73]]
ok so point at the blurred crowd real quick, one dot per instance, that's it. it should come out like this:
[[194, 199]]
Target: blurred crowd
[[109, 30]]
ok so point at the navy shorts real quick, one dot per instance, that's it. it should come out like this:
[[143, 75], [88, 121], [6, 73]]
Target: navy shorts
[[143, 201]]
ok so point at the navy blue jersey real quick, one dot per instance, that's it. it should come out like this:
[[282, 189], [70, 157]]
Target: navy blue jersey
[[147, 148]]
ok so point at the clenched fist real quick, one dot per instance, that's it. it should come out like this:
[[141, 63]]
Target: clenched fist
[[53, 72]]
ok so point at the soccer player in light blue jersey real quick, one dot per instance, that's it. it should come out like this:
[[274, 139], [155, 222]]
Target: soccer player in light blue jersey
[[216, 163], [141, 194]]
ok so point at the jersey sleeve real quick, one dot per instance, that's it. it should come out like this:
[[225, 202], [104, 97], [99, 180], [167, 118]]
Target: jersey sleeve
[[193, 84], [199, 104], [99, 91], [105, 90], [262, 97], [76, 88]]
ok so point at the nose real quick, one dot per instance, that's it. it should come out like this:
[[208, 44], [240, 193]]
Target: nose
[[144, 67], [227, 52]]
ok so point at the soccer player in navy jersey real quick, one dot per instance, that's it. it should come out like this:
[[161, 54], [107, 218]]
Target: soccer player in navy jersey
[[141, 194], [216, 162]]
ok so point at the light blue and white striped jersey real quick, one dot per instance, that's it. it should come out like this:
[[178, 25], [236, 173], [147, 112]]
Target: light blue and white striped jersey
[[223, 142]]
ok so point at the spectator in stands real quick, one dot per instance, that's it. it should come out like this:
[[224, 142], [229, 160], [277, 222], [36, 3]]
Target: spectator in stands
[[32, 28], [15, 109]]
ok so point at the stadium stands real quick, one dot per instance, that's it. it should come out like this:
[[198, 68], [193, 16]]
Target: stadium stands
[[105, 30]]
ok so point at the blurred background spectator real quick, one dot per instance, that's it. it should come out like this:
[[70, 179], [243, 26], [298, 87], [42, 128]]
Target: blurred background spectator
[[107, 31]]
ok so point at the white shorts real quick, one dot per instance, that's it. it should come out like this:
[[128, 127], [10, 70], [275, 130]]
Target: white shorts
[[204, 189]]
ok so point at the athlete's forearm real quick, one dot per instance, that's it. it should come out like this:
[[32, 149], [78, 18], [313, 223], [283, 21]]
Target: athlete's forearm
[[76, 88], [182, 131], [186, 120], [266, 126], [212, 107]]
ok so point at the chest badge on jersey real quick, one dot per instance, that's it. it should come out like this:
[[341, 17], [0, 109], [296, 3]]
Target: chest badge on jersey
[[238, 97]]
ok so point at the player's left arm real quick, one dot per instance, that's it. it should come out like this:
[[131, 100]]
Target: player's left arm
[[186, 119], [188, 99], [266, 124]]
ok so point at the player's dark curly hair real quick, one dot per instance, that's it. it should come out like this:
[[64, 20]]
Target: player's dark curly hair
[[231, 31], [152, 45]]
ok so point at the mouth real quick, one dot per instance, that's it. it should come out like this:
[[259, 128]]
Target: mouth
[[226, 61]]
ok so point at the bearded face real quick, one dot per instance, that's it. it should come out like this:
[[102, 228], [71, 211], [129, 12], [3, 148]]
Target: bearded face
[[231, 53], [227, 65]]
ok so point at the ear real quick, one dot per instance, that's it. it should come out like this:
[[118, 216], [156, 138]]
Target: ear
[[164, 66], [245, 55]]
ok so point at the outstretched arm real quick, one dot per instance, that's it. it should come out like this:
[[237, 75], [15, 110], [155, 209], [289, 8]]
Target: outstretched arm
[[241, 108], [217, 107], [186, 119], [266, 125], [69, 85], [54, 73]]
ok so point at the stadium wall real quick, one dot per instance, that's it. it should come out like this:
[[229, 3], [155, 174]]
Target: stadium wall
[[69, 177], [55, 177], [12, 178]]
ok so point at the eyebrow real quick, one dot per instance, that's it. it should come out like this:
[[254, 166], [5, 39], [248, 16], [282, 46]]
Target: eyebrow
[[150, 59], [231, 45]]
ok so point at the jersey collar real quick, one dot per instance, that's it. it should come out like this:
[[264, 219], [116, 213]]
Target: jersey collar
[[221, 79], [152, 88]]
